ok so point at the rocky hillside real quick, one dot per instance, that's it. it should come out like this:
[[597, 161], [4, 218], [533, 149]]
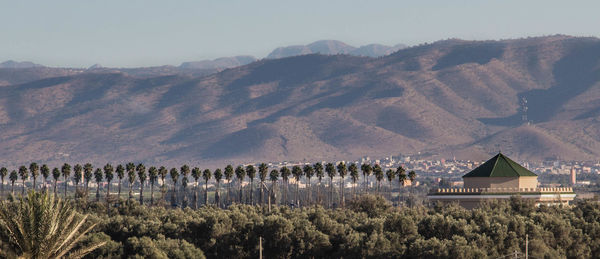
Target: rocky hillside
[[450, 98]]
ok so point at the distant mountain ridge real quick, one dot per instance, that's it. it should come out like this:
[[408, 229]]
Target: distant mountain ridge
[[451, 98], [334, 47], [16, 64]]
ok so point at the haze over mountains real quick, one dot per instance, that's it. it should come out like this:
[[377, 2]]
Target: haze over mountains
[[450, 98]]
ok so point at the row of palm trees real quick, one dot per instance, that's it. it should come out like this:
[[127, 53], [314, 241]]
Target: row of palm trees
[[84, 174]]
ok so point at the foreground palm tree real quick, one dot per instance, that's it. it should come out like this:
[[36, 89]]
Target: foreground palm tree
[[98, 177], [108, 175], [34, 169], [366, 171], [240, 173], [120, 170], [401, 173], [153, 175], [390, 177], [66, 173], [196, 173], [229, 177], [141, 169], [378, 172], [13, 177], [40, 226], [185, 171], [342, 170], [319, 173], [3, 173], [24, 174], [273, 176], [218, 177], [251, 172], [206, 175], [285, 175], [308, 172], [130, 167], [330, 169], [354, 175], [45, 170], [77, 175], [174, 176], [297, 173], [263, 170], [55, 176], [162, 172], [87, 176]]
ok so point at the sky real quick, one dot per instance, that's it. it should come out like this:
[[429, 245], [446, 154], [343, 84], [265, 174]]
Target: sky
[[134, 33]]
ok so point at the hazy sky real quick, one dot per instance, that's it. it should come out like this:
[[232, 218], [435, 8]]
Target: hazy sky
[[129, 33]]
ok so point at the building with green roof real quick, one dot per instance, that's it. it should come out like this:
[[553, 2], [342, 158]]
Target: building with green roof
[[500, 178]]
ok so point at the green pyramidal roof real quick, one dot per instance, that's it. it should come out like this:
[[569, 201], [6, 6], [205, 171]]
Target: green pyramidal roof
[[500, 166]]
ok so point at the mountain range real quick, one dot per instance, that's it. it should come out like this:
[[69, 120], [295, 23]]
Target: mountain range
[[450, 98]]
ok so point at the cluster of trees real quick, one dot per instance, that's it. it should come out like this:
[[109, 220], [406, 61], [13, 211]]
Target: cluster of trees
[[239, 177], [368, 227]]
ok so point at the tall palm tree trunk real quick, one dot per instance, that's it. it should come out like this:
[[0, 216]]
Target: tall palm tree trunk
[[252, 191], [119, 192], [261, 199], [55, 183], [107, 192], [229, 192], [66, 182], [142, 193], [206, 193], [217, 196], [319, 199], [240, 194], [34, 183], [196, 194], [308, 201], [343, 199], [331, 192], [12, 188], [98, 192], [130, 191], [174, 195], [151, 193], [23, 192], [298, 193]]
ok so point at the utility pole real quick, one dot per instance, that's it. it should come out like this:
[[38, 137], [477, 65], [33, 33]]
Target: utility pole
[[526, 246], [260, 247]]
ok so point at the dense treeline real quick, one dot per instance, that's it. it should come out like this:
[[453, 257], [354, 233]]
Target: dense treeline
[[249, 184], [369, 227]]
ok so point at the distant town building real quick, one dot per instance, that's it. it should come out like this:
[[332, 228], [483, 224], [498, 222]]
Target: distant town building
[[500, 178]]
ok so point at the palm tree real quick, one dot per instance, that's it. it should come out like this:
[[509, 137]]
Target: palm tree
[[130, 167], [263, 170], [39, 226], [35, 171], [354, 175], [240, 173], [401, 173], [273, 176], [308, 172], [55, 175], [319, 173], [120, 175], [153, 174], [378, 172], [218, 177], [174, 177], [45, 173], [162, 172], [13, 177], [196, 174], [66, 173], [330, 169], [3, 173], [251, 172], [206, 175], [297, 173], [342, 170], [141, 169], [24, 174], [98, 175], [185, 171], [366, 171], [390, 177], [108, 175], [77, 175], [229, 177], [88, 170], [285, 175], [412, 175]]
